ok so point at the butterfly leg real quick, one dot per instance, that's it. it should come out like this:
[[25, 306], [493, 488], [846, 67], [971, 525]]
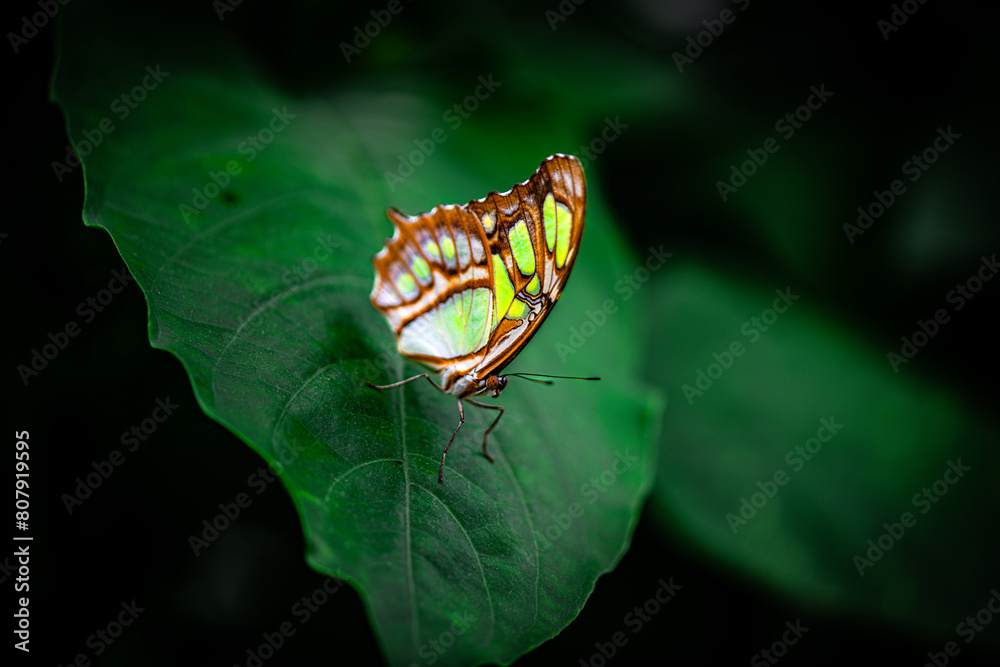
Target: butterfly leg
[[461, 420], [402, 382], [461, 412], [487, 434]]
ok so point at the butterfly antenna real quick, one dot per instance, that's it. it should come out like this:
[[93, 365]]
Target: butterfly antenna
[[558, 377]]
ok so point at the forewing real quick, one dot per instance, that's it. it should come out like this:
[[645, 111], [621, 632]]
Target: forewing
[[533, 234]]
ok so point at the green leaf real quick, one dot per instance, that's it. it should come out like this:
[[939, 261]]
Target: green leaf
[[793, 453], [248, 218]]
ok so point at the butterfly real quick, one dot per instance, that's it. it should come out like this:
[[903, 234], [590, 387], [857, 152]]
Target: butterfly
[[465, 287]]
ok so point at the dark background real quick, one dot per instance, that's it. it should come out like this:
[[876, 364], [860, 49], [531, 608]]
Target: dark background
[[130, 539]]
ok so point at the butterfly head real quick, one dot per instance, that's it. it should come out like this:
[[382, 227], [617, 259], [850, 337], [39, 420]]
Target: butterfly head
[[495, 384]]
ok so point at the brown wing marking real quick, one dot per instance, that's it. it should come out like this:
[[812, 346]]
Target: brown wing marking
[[563, 177]]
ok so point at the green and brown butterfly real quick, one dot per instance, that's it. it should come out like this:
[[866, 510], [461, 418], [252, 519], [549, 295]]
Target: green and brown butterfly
[[465, 287]]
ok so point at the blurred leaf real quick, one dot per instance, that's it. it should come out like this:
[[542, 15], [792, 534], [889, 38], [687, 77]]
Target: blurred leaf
[[249, 219], [788, 444]]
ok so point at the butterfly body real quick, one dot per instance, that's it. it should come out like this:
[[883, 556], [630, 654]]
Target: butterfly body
[[465, 287]]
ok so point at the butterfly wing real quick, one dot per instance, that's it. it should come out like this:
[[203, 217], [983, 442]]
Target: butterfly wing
[[433, 284], [465, 287], [533, 233]]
